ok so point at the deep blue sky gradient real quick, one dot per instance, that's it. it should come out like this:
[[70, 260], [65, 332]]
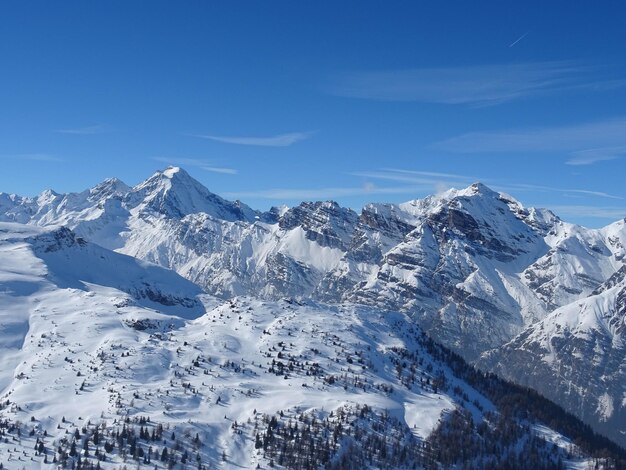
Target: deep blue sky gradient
[[365, 91]]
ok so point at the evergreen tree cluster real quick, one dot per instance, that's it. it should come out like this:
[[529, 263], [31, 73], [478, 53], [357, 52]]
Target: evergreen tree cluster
[[351, 437], [514, 401], [94, 446], [497, 442], [357, 437]]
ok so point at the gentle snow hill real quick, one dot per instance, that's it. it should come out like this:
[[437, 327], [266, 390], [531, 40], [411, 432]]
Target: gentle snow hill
[[69, 262], [37, 262], [51, 265]]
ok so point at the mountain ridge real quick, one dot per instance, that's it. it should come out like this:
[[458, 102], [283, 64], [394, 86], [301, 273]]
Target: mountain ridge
[[473, 267]]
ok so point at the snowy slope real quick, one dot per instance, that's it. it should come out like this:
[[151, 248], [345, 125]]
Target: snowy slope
[[576, 357], [77, 353], [37, 263], [472, 267]]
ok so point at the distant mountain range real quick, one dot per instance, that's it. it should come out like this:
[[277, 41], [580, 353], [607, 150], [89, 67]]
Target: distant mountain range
[[515, 290]]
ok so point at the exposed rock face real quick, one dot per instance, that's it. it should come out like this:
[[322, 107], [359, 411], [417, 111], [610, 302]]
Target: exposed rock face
[[576, 357], [325, 223]]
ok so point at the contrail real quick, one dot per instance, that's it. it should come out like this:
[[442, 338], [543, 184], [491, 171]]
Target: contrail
[[518, 39]]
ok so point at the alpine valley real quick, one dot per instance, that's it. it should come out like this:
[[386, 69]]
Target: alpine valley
[[161, 326]]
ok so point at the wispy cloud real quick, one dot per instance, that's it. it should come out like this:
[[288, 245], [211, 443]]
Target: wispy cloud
[[609, 213], [439, 182], [281, 140], [413, 176], [586, 143], [196, 163], [519, 39], [512, 187], [88, 130], [35, 157], [428, 181], [218, 169], [568, 138], [590, 193], [590, 156], [471, 85], [324, 193], [416, 183], [428, 173]]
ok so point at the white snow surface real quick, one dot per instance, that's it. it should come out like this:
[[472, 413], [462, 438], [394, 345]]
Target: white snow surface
[[473, 267], [80, 343]]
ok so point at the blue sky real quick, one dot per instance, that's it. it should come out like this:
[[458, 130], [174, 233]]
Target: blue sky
[[277, 102]]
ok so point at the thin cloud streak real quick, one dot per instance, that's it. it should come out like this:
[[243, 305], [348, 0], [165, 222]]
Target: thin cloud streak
[[216, 169], [420, 183], [89, 130], [586, 143], [323, 193], [610, 213], [428, 173], [36, 157], [448, 180], [591, 193], [519, 39], [591, 156], [196, 163], [533, 187], [473, 85], [437, 182], [281, 140]]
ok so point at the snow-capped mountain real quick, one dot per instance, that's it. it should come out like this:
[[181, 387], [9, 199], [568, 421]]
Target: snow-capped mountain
[[110, 361], [464, 262], [577, 355], [472, 267]]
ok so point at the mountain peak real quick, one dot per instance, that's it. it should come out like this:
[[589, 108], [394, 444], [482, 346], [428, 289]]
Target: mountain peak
[[47, 196], [479, 187], [113, 182], [171, 171], [475, 189], [174, 192], [475, 192], [171, 177], [109, 187]]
